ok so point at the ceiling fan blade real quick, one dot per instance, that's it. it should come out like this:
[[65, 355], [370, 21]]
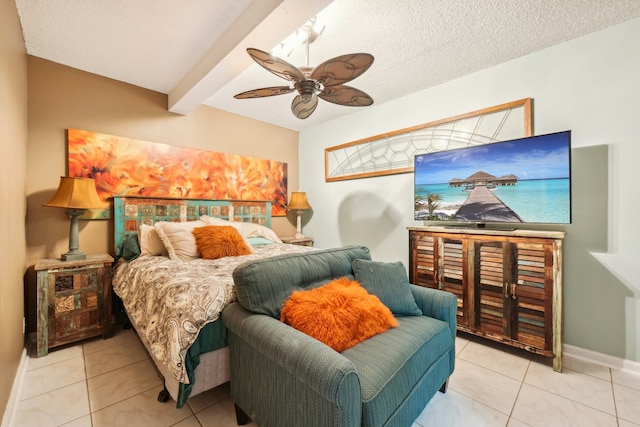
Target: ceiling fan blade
[[276, 65], [303, 109], [265, 91], [342, 69], [346, 95]]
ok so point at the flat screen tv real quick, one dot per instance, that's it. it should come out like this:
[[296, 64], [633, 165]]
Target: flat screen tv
[[525, 180]]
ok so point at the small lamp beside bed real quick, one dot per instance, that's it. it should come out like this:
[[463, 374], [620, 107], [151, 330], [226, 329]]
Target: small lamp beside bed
[[76, 195], [299, 203]]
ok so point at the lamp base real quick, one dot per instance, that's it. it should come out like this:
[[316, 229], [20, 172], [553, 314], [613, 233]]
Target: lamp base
[[73, 256], [299, 226]]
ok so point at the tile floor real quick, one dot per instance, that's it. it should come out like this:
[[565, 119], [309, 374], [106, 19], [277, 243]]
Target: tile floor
[[112, 383]]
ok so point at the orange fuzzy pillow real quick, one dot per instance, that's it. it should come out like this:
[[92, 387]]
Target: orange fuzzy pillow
[[218, 241], [340, 314]]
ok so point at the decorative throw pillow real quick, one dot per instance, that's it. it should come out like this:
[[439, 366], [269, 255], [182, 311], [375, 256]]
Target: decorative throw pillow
[[178, 239], [389, 282], [149, 240], [259, 241], [250, 229], [340, 314], [219, 241]]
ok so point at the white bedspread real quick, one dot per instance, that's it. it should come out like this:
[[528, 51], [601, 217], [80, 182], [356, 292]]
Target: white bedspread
[[170, 301]]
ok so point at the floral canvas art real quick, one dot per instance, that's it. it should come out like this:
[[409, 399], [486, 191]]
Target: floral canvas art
[[125, 166]]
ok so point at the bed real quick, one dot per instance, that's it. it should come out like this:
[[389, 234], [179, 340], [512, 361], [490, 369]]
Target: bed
[[171, 296]]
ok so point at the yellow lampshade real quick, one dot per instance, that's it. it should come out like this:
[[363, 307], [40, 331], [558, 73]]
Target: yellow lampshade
[[298, 201], [76, 193]]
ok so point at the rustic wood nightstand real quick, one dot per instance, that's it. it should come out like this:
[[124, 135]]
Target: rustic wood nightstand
[[73, 300], [301, 241]]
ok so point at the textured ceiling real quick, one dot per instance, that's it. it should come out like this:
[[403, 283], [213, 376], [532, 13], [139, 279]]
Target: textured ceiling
[[194, 51]]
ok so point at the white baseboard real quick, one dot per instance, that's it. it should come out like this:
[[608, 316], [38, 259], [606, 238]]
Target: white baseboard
[[600, 358], [14, 397]]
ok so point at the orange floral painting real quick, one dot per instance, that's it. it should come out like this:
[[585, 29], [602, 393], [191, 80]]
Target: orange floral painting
[[125, 166]]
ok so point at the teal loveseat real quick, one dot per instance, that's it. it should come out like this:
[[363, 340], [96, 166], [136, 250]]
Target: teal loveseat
[[281, 377]]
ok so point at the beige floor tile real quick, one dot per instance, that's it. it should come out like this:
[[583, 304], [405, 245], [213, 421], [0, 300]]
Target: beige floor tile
[[210, 397], [51, 377], [80, 422], [121, 337], [462, 340], [516, 423], [624, 423], [222, 414], [537, 407], [589, 368], [114, 386], [141, 410], [55, 355], [579, 387], [455, 409], [485, 386], [627, 403], [626, 377], [504, 360], [112, 358], [192, 421], [53, 408]]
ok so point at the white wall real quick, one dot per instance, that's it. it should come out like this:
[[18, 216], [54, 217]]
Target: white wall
[[591, 86]]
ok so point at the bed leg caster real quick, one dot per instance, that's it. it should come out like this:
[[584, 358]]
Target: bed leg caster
[[443, 388], [163, 396], [241, 417]]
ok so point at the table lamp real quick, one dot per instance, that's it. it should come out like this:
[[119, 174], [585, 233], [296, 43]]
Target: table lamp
[[299, 203], [76, 195]]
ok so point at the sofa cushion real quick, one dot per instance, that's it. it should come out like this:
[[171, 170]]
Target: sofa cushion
[[388, 377], [340, 314], [263, 285], [389, 282]]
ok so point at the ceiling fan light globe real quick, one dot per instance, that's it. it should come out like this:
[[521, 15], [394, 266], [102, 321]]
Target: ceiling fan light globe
[[303, 109]]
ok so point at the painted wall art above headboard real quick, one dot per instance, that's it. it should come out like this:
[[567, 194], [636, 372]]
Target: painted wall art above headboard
[[126, 166]]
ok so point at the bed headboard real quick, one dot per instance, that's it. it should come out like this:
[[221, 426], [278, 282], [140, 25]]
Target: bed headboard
[[131, 211]]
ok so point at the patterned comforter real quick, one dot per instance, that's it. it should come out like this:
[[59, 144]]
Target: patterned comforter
[[169, 301]]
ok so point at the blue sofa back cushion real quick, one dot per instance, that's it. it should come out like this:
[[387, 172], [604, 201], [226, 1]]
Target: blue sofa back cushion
[[263, 285], [389, 282]]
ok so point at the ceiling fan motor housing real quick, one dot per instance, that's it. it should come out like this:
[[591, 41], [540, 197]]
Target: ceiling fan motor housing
[[306, 88]]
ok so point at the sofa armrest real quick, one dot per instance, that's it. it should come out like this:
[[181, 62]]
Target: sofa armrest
[[263, 349], [438, 304]]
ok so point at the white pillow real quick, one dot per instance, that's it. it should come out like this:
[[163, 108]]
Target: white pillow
[[178, 238], [149, 241], [212, 220], [250, 229], [247, 229]]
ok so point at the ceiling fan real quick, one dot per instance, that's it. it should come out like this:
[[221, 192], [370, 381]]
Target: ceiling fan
[[326, 81]]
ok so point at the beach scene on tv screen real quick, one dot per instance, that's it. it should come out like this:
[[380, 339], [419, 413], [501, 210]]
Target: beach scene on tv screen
[[521, 181]]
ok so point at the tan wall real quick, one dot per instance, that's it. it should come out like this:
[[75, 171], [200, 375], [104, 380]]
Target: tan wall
[[13, 140], [61, 97]]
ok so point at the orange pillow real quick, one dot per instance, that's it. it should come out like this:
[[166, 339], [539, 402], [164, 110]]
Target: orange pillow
[[218, 241], [340, 314]]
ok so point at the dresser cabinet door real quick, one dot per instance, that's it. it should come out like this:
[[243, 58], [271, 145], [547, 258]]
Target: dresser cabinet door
[[491, 299], [75, 308], [532, 294], [440, 263], [513, 291]]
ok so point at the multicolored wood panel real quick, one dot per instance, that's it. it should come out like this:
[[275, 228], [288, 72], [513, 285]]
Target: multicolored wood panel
[[131, 211]]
